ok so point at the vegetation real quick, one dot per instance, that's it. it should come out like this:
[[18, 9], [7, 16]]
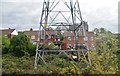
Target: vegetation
[[50, 46], [19, 58], [20, 45], [5, 44]]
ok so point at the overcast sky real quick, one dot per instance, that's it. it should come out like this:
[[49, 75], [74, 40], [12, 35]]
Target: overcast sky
[[25, 14]]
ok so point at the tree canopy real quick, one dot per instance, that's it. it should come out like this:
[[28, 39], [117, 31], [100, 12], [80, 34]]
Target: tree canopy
[[20, 45]]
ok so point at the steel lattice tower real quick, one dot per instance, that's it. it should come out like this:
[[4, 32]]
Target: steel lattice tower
[[67, 15]]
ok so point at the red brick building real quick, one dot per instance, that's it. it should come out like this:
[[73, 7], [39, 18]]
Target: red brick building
[[33, 35], [68, 41]]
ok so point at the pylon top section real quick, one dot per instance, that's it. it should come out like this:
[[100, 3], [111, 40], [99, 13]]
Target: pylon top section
[[65, 12]]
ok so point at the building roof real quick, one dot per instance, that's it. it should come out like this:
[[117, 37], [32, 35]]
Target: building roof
[[31, 32], [6, 31], [35, 32], [50, 31]]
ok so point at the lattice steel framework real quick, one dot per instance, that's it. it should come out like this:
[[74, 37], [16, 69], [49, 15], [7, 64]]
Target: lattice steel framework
[[66, 18]]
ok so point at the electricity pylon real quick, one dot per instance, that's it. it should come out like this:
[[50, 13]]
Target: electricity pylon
[[67, 14]]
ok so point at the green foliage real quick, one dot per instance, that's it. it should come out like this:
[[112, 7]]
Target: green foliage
[[31, 49], [48, 47], [104, 61], [103, 58], [5, 41], [19, 45], [16, 65], [118, 37], [62, 38], [52, 46], [5, 44]]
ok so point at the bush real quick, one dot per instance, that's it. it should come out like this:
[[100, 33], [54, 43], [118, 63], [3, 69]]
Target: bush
[[5, 44], [51, 46], [20, 45], [32, 50]]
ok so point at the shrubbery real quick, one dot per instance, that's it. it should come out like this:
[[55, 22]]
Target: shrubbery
[[18, 46], [50, 46], [5, 44], [103, 58]]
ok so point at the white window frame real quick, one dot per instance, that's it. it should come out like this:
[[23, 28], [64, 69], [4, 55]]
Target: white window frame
[[58, 39], [69, 38], [76, 38], [52, 36], [86, 38], [93, 45], [74, 45], [34, 43], [92, 38], [78, 44], [32, 36]]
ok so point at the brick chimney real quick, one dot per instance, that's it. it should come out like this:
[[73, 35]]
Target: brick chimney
[[31, 29], [9, 28]]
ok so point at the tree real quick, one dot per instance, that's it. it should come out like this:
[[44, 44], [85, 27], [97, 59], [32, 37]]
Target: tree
[[5, 41], [104, 61], [96, 30], [102, 30], [20, 45], [118, 37], [5, 44]]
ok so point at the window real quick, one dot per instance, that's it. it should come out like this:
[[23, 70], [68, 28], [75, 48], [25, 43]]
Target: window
[[33, 37], [76, 37], [34, 43], [74, 45], [46, 36], [69, 38], [58, 39], [83, 44], [92, 38], [92, 45], [92, 35], [52, 36], [85, 38], [78, 44]]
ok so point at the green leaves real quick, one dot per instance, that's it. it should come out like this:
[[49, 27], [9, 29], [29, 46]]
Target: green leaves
[[20, 45], [5, 44], [5, 41], [103, 58]]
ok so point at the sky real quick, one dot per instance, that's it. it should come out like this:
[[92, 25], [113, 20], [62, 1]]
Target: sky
[[25, 14]]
